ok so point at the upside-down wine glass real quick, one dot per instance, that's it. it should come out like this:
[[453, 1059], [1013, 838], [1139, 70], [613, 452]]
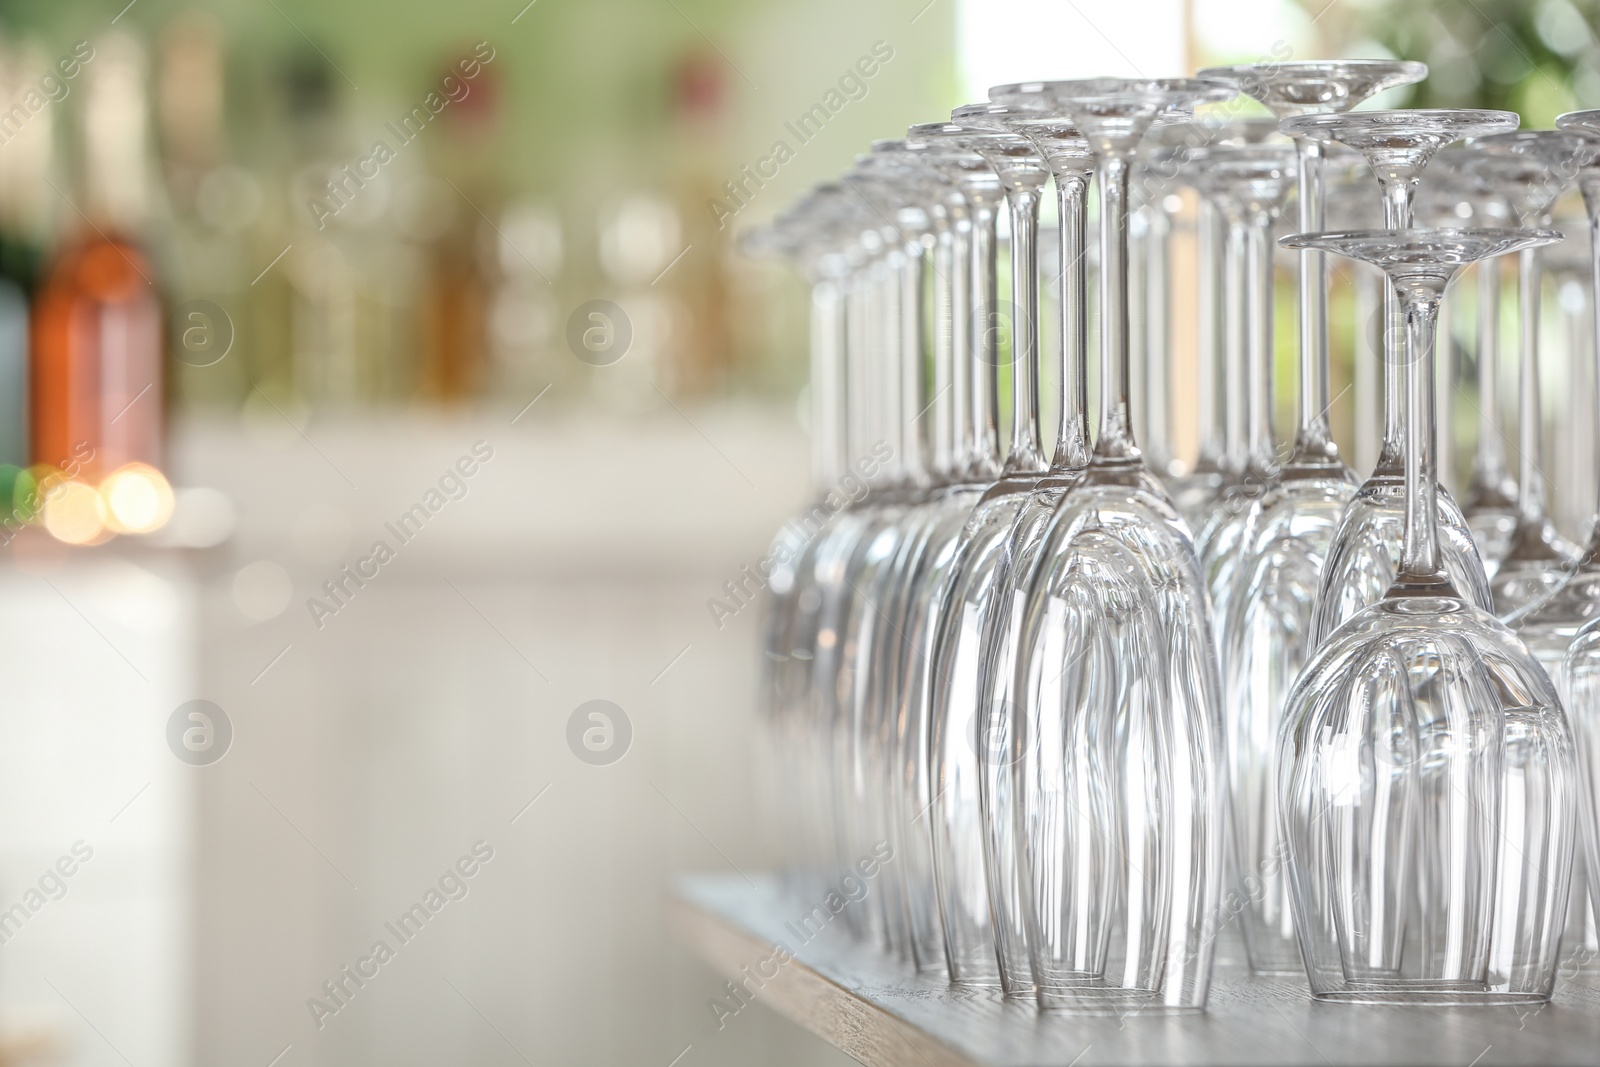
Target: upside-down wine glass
[[1250, 184], [1226, 323], [1361, 558], [861, 627], [984, 932], [1490, 499], [1194, 491], [881, 609], [1537, 559], [804, 237], [1265, 633], [1116, 735], [1559, 628], [1427, 780], [965, 949], [806, 656]]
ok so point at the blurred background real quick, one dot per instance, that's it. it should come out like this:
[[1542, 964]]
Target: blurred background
[[282, 282]]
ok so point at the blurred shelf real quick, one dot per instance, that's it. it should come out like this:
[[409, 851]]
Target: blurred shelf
[[871, 1009]]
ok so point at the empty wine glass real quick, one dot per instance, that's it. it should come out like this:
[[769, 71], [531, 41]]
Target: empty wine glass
[[1266, 634], [1552, 625], [960, 746], [1210, 496], [802, 645], [804, 236], [1250, 184], [1427, 779], [948, 894], [862, 629], [1116, 732], [1537, 558], [1360, 563], [1194, 492], [1490, 500]]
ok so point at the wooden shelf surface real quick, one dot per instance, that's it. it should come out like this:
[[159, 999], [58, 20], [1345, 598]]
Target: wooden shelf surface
[[874, 1010]]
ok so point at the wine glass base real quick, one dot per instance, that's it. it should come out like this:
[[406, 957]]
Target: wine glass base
[[1426, 993], [1111, 1001]]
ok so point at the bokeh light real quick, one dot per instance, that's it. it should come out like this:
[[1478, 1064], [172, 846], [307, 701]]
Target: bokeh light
[[138, 499]]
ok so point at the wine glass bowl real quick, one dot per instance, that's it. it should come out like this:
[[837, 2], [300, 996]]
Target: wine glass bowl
[[1427, 779], [1115, 720], [1316, 87]]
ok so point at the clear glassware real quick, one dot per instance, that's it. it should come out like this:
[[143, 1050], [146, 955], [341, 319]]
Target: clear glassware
[[1250, 184], [1427, 777], [1195, 492], [804, 237], [921, 170], [1553, 626], [1490, 501], [975, 867], [1265, 635], [800, 646], [1209, 498], [1537, 558], [1116, 729], [848, 679], [1361, 560], [939, 795]]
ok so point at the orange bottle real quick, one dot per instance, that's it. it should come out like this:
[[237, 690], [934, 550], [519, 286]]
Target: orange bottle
[[96, 394]]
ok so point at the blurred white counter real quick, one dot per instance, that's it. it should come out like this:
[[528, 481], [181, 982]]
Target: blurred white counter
[[415, 725]]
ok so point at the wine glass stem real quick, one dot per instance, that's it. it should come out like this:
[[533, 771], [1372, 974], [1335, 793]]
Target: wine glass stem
[[943, 437], [1116, 420], [1589, 183], [1530, 481], [1236, 316], [959, 280], [1213, 317], [913, 364], [1419, 554], [856, 357], [1157, 414], [1258, 269], [1314, 437], [827, 334], [1026, 454], [1072, 438], [1399, 213], [985, 342], [890, 380], [1489, 468]]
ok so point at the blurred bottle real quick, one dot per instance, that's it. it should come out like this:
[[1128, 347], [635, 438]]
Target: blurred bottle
[[703, 361], [347, 281], [204, 248], [24, 229], [461, 256], [97, 389]]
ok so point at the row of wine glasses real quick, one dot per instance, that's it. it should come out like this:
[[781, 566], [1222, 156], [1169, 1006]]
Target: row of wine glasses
[[1048, 720]]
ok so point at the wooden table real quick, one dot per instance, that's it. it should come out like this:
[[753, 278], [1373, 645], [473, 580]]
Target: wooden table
[[872, 1009]]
